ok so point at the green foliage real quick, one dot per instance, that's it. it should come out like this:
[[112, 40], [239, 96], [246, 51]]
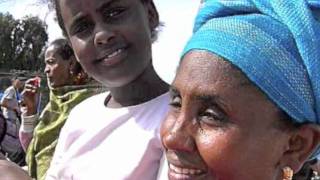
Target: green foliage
[[21, 43]]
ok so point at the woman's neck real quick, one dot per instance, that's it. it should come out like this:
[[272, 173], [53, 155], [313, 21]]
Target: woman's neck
[[146, 87]]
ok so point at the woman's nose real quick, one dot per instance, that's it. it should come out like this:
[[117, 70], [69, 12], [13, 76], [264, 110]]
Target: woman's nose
[[103, 36], [177, 134], [46, 70]]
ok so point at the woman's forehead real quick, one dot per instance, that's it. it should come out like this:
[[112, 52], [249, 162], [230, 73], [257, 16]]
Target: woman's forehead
[[76, 6], [204, 67]]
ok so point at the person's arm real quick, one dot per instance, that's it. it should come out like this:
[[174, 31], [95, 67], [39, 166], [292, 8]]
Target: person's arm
[[5, 104], [28, 124], [29, 117], [8, 96]]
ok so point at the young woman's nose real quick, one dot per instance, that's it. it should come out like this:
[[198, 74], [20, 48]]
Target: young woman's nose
[[103, 36], [46, 69], [177, 135]]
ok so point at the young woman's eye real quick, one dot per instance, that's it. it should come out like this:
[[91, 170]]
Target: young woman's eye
[[49, 62], [212, 116], [113, 13], [81, 28], [175, 102]]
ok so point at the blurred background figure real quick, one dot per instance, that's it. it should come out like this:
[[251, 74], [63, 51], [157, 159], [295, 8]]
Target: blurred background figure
[[11, 111], [10, 100], [3, 129], [69, 85], [9, 170]]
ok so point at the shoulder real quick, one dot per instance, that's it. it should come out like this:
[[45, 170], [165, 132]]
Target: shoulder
[[81, 117], [9, 90], [159, 104], [88, 108], [152, 113], [9, 93], [91, 103]]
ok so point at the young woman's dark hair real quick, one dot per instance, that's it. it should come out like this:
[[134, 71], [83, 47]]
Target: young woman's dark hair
[[66, 52], [55, 5]]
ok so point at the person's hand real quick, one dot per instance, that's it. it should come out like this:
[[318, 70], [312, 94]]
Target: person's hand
[[29, 97], [17, 110]]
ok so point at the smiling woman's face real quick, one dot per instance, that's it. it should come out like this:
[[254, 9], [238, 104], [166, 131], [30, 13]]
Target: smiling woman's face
[[220, 126]]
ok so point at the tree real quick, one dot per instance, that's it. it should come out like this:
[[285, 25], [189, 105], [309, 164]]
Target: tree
[[22, 42], [7, 26]]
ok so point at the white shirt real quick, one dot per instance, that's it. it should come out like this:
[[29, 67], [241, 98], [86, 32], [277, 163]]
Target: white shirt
[[113, 144], [11, 95]]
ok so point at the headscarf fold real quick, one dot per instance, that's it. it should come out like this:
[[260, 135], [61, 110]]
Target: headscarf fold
[[276, 43]]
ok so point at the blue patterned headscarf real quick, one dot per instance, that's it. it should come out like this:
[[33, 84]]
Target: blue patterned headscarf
[[276, 43]]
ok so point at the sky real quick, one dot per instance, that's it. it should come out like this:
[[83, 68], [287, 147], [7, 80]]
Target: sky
[[177, 16]]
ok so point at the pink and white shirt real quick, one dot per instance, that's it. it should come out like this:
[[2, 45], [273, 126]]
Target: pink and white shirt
[[114, 144]]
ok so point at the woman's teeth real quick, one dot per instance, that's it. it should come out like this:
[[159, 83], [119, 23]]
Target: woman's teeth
[[114, 53], [185, 171]]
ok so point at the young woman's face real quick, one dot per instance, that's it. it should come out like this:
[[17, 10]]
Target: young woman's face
[[220, 127], [57, 70], [111, 38]]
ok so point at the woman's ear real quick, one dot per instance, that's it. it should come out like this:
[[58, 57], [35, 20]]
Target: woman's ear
[[72, 62], [302, 143], [152, 13]]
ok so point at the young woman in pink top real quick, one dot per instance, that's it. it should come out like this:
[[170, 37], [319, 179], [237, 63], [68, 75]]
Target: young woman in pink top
[[114, 135]]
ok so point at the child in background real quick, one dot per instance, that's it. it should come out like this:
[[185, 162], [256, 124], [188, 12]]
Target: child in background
[[114, 135]]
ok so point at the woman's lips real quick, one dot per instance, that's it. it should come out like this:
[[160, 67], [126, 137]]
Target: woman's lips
[[112, 58]]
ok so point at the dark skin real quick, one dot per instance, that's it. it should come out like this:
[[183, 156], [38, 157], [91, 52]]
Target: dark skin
[[146, 87], [112, 41], [222, 127], [57, 71], [10, 171]]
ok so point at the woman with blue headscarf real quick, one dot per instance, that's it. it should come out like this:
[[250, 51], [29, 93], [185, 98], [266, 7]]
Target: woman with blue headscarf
[[245, 103]]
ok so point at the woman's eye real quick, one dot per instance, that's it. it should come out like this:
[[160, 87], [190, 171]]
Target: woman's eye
[[81, 27], [113, 13], [212, 116], [175, 102], [49, 62]]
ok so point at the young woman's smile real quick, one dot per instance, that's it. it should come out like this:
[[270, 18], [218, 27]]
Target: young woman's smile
[[112, 57]]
